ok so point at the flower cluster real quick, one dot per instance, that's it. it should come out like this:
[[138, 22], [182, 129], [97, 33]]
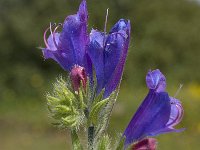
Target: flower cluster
[[73, 47], [95, 63]]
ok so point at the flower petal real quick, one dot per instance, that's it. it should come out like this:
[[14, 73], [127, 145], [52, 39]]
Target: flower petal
[[52, 52], [95, 51], [108, 55], [156, 80], [176, 112], [51, 43], [73, 38], [116, 48], [152, 116], [57, 55]]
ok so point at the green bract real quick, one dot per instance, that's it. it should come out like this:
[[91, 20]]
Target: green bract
[[65, 106]]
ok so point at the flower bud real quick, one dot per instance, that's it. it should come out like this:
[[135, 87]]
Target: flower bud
[[78, 76], [145, 144]]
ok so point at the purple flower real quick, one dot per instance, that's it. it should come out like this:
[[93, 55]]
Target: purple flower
[[157, 114], [68, 47], [74, 47], [108, 54]]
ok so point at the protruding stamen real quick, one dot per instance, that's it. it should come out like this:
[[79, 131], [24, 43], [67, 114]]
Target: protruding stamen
[[51, 25], [45, 39], [44, 36], [54, 40], [179, 89], [105, 25], [106, 20]]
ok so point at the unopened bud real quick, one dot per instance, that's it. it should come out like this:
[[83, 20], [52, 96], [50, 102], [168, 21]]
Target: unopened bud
[[145, 144], [78, 76]]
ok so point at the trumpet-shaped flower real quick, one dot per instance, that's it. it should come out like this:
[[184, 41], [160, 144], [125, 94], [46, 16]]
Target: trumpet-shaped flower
[[157, 114], [68, 47], [108, 54], [73, 47]]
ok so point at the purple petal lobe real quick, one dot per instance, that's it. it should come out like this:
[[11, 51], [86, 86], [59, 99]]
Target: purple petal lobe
[[108, 54], [152, 116], [156, 80], [176, 112], [116, 48], [52, 52], [73, 38], [51, 49], [51, 43], [95, 51]]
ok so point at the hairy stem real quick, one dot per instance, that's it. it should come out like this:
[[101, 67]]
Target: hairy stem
[[90, 137]]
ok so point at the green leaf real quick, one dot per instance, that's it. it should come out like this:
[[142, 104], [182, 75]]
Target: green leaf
[[94, 114]]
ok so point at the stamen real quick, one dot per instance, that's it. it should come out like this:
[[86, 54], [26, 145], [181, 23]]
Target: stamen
[[45, 32], [179, 89], [52, 25], [54, 40], [105, 25], [45, 39]]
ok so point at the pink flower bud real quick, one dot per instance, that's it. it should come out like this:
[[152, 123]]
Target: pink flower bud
[[145, 144], [78, 75]]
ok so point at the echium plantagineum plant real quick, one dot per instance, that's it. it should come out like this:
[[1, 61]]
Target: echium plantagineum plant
[[84, 100]]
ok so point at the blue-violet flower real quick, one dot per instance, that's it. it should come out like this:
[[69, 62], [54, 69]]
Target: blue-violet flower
[[73, 47], [68, 47], [157, 114], [108, 54]]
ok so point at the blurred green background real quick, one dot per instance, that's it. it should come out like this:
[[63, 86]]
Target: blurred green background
[[165, 35]]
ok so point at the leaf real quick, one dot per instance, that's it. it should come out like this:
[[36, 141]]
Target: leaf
[[93, 116]]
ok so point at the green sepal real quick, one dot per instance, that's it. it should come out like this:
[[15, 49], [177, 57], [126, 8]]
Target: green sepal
[[76, 145], [95, 111], [120, 143], [65, 106], [105, 114], [104, 143]]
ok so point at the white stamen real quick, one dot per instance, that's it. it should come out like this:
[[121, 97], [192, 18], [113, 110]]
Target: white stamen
[[105, 25], [179, 89]]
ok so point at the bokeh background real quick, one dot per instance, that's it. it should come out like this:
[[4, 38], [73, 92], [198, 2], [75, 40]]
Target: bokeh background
[[165, 35]]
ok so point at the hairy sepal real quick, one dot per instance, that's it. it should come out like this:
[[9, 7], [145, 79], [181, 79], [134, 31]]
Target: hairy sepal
[[66, 108]]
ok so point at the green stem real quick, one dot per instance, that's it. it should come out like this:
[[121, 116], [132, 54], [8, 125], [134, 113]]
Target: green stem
[[90, 137]]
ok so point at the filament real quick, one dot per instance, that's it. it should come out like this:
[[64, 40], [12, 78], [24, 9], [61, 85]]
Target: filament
[[105, 25], [54, 40], [179, 89], [45, 32]]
